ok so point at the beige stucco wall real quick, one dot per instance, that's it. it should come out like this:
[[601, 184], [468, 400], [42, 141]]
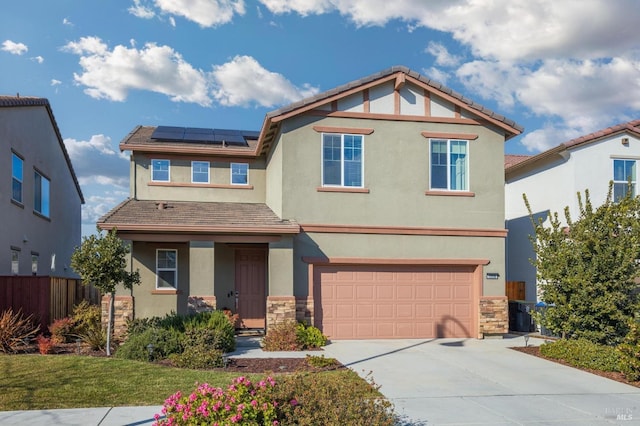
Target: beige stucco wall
[[201, 268], [281, 261], [396, 171], [180, 173], [30, 133], [273, 189]]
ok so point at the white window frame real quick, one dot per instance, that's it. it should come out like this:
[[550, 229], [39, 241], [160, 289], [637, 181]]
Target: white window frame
[[342, 160], [19, 180], [634, 181], [39, 180], [168, 179], [167, 269], [15, 261], [34, 263], [245, 166], [448, 165], [193, 171]]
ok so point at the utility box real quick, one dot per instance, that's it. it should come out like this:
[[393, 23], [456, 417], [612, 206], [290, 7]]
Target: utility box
[[520, 316]]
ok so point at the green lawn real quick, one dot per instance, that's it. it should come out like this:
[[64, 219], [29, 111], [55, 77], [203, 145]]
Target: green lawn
[[29, 382]]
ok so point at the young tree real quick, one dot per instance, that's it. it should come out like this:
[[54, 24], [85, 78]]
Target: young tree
[[586, 270], [101, 260]]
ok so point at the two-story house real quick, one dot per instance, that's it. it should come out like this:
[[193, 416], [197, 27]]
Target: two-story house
[[39, 192], [551, 181], [372, 210]]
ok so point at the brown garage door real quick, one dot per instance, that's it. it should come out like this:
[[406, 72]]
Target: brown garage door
[[382, 302]]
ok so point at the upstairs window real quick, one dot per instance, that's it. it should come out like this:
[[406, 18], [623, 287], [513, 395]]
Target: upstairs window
[[16, 177], [41, 194], [342, 160], [166, 269], [160, 170], [200, 172], [239, 174], [449, 165], [15, 261], [34, 263], [624, 173]]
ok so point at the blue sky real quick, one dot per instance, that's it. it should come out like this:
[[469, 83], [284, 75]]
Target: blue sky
[[559, 68]]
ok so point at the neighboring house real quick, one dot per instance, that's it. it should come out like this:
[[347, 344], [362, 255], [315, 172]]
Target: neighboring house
[[372, 210], [39, 192], [551, 181]]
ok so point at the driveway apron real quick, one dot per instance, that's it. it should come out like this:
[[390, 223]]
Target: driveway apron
[[484, 382]]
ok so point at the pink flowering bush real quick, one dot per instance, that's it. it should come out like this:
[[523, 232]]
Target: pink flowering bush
[[242, 403]]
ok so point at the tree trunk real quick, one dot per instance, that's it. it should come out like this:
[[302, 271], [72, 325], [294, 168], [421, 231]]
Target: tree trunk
[[110, 321]]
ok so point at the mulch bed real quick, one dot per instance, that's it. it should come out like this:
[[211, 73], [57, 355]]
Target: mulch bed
[[236, 365], [618, 377]]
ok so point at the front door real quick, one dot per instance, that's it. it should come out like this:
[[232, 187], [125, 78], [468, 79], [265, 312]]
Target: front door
[[250, 286]]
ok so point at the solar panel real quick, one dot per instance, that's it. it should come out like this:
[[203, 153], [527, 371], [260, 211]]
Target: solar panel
[[169, 133], [230, 137], [195, 134], [250, 134]]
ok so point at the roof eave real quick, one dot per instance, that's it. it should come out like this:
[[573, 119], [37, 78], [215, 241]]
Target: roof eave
[[203, 229]]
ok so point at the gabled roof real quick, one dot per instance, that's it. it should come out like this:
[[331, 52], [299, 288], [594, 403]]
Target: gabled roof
[[28, 101], [513, 159], [400, 73], [153, 216], [531, 162]]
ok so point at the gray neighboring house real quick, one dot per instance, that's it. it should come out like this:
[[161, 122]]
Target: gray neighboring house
[[39, 192], [372, 210]]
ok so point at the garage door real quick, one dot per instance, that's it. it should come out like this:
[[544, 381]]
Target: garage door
[[382, 302]]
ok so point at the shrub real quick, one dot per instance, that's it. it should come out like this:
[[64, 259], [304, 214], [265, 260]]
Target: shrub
[[321, 361], [282, 337], [583, 353], [62, 330], [630, 353], [310, 336], [15, 330], [243, 402], [198, 357], [332, 400], [215, 329], [165, 342], [45, 344], [86, 316]]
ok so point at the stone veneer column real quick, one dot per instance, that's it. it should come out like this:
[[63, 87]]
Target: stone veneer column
[[123, 311], [280, 309], [197, 304], [494, 316], [305, 310]]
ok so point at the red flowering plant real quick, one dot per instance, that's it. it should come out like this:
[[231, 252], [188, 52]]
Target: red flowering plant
[[242, 403]]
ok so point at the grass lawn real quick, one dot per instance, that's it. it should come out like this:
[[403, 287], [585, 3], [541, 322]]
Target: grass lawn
[[30, 382]]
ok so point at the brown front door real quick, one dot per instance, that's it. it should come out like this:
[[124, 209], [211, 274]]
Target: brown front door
[[250, 287]]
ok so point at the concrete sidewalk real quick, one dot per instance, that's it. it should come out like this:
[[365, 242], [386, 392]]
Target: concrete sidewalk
[[434, 382]]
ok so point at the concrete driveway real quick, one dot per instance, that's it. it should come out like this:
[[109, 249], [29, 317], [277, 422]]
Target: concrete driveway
[[483, 382]]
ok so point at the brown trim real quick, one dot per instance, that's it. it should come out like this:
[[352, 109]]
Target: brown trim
[[318, 261], [403, 230], [352, 130], [185, 238], [342, 189], [366, 104], [457, 111], [334, 105], [234, 229], [396, 102], [400, 80], [395, 117], [451, 193], [190, 150], [199, 185], [478, 288], [445, 135], [211, 158], [427, 103], [166, 292]]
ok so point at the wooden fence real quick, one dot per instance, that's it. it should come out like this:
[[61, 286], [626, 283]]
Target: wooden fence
[[515, 290], [46, 298]]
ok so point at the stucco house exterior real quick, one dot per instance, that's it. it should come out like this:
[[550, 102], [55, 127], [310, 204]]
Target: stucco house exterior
[[372, 210], [40, 195], [551, 181]]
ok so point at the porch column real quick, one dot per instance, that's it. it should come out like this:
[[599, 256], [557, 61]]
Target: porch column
[[281, 302], [201, 276]]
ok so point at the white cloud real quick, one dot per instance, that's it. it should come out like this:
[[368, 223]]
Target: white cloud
[[97, 161], [14, 48], [492, 80], [206, 13], [140, 10], [551, 135], [38, 59], [111, 74], [442, 55], [66, 21], [97, 206], [243, 81], [172, 21], [436, 74], [55, 82]]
